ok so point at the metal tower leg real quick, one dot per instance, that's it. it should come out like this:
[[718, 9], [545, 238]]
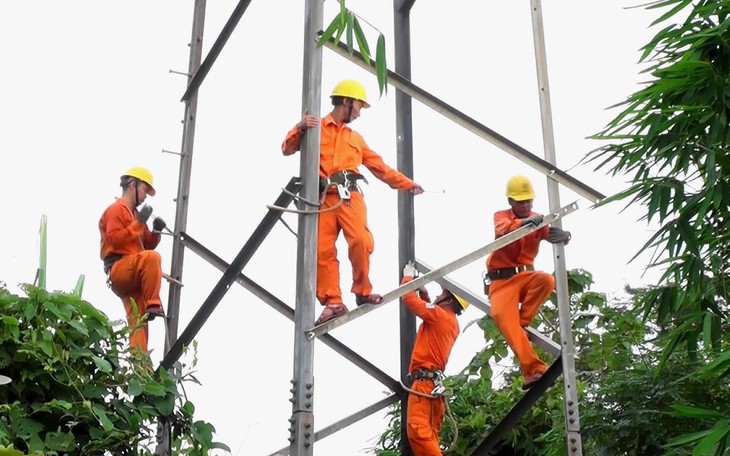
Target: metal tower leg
[[572, 418], [302, 420], [406, 218]]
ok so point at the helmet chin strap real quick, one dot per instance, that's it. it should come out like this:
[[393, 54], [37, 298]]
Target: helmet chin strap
[[349, 111], [136, 194]]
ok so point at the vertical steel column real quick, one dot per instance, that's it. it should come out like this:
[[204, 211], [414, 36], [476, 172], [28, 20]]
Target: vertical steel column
[[572, 419], [181, 207], [406, 219], [302, 420], [186, 162]]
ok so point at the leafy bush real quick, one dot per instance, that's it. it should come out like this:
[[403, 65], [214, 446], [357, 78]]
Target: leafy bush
[[77, 390]]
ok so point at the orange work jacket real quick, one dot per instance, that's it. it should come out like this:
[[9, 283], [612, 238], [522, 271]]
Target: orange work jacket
[[522, 251], [122, 233], [436, 335], [343, 149]]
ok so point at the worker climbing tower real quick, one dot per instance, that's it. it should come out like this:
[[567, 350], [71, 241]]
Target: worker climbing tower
[[304, 188]]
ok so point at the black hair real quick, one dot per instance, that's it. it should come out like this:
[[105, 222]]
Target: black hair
[[338, 100]]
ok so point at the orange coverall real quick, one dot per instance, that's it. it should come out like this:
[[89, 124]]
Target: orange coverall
[[342, 149], [434, 340], [531, 288], [137, 274]]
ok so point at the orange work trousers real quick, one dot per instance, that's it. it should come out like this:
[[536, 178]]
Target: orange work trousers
[[350, 217], [531, 288], [424, 419], [137, 277]]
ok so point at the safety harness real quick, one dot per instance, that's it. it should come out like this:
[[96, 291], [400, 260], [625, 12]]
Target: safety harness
[[506, 273], [346, 181], [439, 391]]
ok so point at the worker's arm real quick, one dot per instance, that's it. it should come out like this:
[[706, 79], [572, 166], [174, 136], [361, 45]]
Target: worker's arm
[[418, 306], [293, 140], [376, 165], [505, 222], [121, 229], [150, 240]]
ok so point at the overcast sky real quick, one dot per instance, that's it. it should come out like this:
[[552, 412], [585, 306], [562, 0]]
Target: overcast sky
[[88, 94]]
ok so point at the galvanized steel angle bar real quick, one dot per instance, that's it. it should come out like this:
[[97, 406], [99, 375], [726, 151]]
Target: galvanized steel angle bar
[[441, 272]]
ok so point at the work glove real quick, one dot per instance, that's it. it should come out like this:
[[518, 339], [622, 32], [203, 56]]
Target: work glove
[[558, 235], [534, 220], [410, 270], [158, 224], [144, 214]]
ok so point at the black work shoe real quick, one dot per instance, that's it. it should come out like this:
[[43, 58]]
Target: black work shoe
[[155, 311]]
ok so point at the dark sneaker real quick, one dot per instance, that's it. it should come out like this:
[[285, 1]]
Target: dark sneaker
[[369, 299], [530, 380], [330, 312], [154, 311]]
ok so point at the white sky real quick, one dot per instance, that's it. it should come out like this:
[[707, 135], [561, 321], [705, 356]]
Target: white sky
[[88, 94]]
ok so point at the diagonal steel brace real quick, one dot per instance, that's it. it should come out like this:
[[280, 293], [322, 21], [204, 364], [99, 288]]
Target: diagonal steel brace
[[440, 272]]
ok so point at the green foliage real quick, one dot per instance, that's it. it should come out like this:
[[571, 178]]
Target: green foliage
[[76, 390], [671, 138], [621, 395], [348, 23]]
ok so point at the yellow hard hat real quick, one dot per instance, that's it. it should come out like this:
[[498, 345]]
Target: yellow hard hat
[[351, 89], [462, 302], [519, 188], [142, 174]]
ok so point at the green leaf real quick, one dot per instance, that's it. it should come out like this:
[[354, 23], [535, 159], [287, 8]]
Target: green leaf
[[695, 412], [102, 416], [102, 364], [155, 389], [362, 42], [381, 67], [327, 34], [134, 388], [350, 27], [720, 431]]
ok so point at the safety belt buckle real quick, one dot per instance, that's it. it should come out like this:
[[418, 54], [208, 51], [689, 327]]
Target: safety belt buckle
[[438, 390], [487, 282], [343, 192]]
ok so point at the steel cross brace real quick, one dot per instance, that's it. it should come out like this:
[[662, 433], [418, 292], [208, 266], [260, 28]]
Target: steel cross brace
[[229, 276], [440, 272]]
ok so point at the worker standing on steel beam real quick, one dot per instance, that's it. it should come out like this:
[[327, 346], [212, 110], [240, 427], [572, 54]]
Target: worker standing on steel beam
[[342, 151], [513, 279], [434, 340], [133, 267]]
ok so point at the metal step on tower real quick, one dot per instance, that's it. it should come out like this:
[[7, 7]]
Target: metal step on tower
[[303, 433]]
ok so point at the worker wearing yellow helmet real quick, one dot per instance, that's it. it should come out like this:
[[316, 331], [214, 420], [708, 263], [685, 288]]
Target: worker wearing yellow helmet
[[516, 289], [132, 265], [435, 339], [342, 151]]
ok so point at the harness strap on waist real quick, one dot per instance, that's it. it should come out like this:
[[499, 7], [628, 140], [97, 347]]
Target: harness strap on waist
[[506, 273]]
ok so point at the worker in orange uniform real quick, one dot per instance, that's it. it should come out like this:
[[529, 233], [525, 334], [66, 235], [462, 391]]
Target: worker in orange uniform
[[434, 340], [132, 265], [342, 150], [513, 279]]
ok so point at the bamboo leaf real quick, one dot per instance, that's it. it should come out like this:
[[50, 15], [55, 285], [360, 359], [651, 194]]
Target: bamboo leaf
[[362, 42], [327, 34], [350, 27], [381, 67]]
